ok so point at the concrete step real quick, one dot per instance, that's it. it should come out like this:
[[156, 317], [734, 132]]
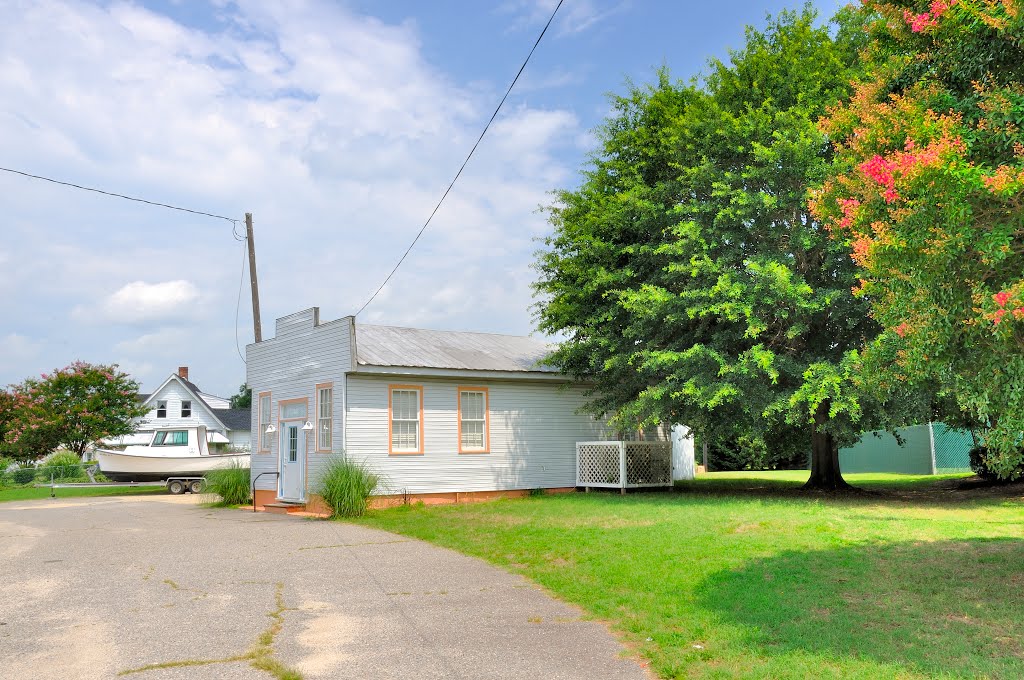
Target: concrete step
[[284, 507]]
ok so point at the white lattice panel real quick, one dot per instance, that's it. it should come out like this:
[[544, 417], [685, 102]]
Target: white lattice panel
[[598, 464], [601, 464], [648, 463]]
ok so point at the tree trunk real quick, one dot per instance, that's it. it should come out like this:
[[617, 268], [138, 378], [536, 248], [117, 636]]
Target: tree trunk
[[825, 473]]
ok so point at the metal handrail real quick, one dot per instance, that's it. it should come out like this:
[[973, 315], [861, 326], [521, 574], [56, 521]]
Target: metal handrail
[[254, 486]]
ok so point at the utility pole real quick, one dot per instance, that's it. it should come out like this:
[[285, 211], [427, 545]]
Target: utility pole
[[257, 327]]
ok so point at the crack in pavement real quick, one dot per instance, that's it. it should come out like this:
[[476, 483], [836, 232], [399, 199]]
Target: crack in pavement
[[261, 656]]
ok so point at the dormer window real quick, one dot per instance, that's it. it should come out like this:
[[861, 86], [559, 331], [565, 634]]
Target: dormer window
[[161, 409], [186, 409]]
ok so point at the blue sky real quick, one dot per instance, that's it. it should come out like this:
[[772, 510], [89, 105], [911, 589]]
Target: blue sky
[[338, 124]]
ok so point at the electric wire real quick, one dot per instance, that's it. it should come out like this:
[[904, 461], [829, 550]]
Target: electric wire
[[465, 162], [238, 302], [127, 198]]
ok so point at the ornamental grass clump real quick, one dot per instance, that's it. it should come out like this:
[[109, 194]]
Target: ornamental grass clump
[[230, 483], [345, 485]]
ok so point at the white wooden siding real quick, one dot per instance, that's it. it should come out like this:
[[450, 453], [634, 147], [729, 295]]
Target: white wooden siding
[[174, 393], [240, 439], [289, 366], [534, 427]]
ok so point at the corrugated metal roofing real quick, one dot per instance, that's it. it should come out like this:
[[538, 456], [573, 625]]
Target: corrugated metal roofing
[[420, 348]]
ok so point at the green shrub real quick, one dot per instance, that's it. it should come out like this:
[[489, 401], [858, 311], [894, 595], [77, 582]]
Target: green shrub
[[980, 465], [231, 483], [62, 466], [345, 485], [23, 475]]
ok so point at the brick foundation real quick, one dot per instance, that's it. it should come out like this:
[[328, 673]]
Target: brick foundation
[[316, 506]]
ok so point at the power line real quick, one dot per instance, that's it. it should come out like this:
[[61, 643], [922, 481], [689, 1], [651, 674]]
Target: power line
[[238, 302], [465, 162], [127, 198]]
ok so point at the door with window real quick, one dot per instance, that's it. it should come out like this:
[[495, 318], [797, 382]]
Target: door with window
[[293, 461]]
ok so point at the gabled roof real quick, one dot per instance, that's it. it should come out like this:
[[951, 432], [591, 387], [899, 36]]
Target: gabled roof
[[194, 391], [420, 348], [235, 418]]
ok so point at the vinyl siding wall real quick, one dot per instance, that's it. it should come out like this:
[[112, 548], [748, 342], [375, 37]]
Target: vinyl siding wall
[[240, 439], [534, 428], [289, 366]]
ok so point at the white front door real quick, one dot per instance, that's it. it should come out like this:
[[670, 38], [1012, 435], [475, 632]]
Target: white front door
[[293, 461]]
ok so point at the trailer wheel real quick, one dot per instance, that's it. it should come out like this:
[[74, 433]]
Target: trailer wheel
[[196, 486], [176, 487]]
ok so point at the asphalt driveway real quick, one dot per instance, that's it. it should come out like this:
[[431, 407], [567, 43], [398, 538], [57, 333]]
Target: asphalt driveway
[[92, 588]]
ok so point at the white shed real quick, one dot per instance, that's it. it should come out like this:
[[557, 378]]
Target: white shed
[[442, 416]]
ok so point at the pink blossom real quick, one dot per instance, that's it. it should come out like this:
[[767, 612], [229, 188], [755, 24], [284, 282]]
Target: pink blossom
[[918, 22], [1001, 298], [999, 316]]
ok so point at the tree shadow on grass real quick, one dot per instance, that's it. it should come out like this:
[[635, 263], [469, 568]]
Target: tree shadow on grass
[[950, 608], [943, 492]]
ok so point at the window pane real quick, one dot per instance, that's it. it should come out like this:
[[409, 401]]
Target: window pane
[[473, 434], [405, 435], [325, 434], [473, 405], [325, 403], [158, 440], [405, 405], [179, 438], [186, 409], [293, 410]]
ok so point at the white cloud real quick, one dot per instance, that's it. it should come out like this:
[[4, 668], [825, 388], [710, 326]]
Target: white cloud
[[139, 302], [574, 17], [331, 127], [15, 351]]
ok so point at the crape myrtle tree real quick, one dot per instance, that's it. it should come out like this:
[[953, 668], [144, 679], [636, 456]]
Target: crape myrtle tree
[[74, 407], [686, 272], [929, 194]]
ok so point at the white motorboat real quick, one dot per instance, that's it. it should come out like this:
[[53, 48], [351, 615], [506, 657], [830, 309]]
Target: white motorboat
[[172, 452]]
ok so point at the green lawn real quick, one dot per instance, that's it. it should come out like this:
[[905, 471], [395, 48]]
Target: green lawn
[[745, 576], [31, 493]]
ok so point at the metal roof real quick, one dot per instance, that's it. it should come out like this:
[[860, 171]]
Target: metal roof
[[420, 348]]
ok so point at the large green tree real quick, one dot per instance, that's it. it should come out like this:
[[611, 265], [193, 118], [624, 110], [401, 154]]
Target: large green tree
[[686, 272], [75, 406], [928, 194]]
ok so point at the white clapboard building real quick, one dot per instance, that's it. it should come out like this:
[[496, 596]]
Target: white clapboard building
[[440, 415]]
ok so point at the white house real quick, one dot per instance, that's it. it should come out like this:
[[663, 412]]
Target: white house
[[441, 415], [180, 403]]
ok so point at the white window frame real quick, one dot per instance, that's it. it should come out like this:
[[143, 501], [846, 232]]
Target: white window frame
[[418, 390], [486, 420], [186, 404], [161, 405]]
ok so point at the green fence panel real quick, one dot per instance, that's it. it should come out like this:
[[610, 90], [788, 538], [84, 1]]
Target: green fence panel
[[883, 453], [952, 449]]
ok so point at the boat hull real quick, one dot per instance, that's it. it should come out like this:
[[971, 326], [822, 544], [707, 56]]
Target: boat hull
[[126, 467]]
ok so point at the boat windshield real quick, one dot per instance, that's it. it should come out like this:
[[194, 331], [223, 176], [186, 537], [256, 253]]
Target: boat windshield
[[171, 438]]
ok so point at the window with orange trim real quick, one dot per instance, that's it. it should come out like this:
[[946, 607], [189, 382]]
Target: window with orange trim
[[324, 415], [263, 421], [405, 419], [474, 434]]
